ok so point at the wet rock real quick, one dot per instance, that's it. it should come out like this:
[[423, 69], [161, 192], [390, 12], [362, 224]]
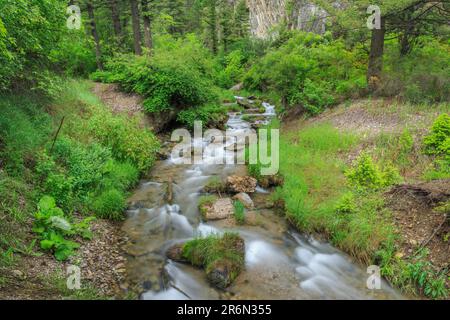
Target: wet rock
[[245, 199], [245, 103], [237, 87], [220, 209], [271, 181], [175, 253], [237, 184]]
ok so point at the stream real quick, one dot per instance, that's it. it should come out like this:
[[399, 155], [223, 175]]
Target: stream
[[280, 262]]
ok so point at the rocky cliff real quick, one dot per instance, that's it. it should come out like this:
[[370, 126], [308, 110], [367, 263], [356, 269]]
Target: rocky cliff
[[298, 14]]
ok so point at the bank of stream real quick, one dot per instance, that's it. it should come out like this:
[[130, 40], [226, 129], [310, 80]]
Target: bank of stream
[[280, 262]]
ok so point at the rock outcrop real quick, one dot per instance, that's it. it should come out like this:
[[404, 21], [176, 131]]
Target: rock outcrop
[[237, 184], [220, 209], [302, 15]]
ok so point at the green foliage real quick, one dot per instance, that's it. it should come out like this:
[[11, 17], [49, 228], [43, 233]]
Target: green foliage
[[309, 71], [430, 282], [24, 127], [110, 204], [126, 140], [421, 75], [29, 30], [233, 70], [53, 228], [224, 251], [366, 174], [437, 143], [209, 115], [346, 204], [239, 212], [177, 77]]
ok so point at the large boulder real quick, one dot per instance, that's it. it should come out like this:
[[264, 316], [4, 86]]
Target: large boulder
[[238, 184], [219, 209], [245, 199]]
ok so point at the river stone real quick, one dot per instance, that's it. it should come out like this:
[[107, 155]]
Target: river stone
[[245, 199], [237, 184], [220, 209], [176, 253]]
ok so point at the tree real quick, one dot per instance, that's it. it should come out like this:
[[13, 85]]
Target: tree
[[98, 51], [136, 27], [148, 41], [115, 16]]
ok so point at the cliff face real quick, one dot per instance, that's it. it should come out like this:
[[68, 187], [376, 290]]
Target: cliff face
[[299, 14]]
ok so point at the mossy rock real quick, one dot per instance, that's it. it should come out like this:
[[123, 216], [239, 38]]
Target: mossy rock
[[222, 257], [215, 185]]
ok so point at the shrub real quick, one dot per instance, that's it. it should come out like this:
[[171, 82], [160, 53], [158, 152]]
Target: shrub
[[110, 204], [121, 176], [309, 71], [209, 115], [420, 76], [437, 142], [127, 141], [346, 204], [366, 174]]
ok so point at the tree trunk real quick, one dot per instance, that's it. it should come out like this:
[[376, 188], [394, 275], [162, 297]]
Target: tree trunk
[[213, 26], [148, 41], [116, 21], [136, 27], [98, 51], [376, 58]]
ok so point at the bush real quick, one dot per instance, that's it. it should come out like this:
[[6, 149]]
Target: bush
[[110, 204], [309, 71], [127, 141], [121, 176], [422, 76], [437, 142], [365, 174], [209, 115]]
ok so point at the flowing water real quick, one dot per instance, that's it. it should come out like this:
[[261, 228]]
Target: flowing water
[[280, 263]]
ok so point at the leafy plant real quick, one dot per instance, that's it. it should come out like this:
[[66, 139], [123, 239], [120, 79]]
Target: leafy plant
[[53, 229]]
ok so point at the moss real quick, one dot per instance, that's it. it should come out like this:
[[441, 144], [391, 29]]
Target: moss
[[221, 257]]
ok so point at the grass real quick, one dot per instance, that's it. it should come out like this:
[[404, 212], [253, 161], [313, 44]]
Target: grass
[[239, 212], [314, 175], [320, 198], [90, 168], [215, 185]]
